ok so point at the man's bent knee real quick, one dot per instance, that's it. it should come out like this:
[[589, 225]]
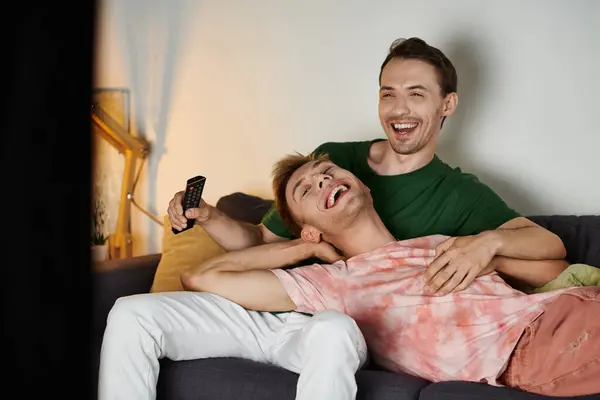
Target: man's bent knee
[[129, 309], [336, 329], [331, 320]]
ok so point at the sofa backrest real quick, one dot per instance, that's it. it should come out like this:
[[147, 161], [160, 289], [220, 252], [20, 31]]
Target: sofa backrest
[[244, 207], [580, 234]]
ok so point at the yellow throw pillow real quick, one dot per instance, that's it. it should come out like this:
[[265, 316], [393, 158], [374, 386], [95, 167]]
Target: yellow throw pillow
[[180, 252]]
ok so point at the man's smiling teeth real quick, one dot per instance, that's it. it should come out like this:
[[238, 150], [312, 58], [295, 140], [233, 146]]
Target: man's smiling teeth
[[331, 199], [404, 126]]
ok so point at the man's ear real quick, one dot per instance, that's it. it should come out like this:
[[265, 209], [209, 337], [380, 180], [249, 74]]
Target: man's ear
[[450, 104], [310, 234]]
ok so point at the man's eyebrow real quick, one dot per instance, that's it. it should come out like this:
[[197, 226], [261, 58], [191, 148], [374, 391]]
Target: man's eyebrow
[[420, 87], [301, 180], [412, 87]]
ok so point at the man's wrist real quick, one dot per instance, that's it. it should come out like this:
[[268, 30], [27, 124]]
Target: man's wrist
[[494, 241], [309, 250], [210, 214]]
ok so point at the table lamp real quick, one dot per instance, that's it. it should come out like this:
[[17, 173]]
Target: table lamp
[[134, 149]]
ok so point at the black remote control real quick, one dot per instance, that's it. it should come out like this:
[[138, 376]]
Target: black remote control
[[191, 199]]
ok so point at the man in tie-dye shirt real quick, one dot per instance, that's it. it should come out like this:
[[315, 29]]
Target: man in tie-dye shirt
[[546, 343]]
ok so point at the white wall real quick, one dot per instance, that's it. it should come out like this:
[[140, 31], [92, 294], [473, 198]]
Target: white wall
[[230, 86]]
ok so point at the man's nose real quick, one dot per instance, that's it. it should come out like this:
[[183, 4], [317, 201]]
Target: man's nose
[[321, 178], [401, 106]]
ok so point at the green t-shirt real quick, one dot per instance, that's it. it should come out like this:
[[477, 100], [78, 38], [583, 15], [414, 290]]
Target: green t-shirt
[[435, 199]]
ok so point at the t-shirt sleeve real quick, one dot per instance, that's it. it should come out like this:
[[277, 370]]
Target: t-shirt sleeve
[[341, 153], [273, 222], [315, 287], [486, 210]]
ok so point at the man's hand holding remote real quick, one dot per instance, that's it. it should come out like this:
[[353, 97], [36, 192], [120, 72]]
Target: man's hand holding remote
[[175, 212], [229, 233]]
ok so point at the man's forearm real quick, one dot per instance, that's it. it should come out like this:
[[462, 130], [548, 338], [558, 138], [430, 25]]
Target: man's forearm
[[527, 243], [267, 256], [243, 276], [535, 273], [231, 234]]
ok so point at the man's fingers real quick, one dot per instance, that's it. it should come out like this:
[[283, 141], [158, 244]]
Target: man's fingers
[[466, 281], [177, 203], [200, 213], [440, 279], [178, 218], [444, 246], [170, 214], [175, 212], [175, 220], [195, 213], [436, 266], [456, 280], [178, 209]]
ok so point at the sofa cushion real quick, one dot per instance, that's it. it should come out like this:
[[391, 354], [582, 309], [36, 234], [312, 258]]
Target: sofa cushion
[[179, 252], [244, 207], [480, 391], [195, 245], [234, 379]]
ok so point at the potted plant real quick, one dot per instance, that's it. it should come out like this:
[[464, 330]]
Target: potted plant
[[99, 236]]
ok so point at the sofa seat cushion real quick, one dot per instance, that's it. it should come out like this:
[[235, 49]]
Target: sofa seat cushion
[[234, 379], [481, 391]]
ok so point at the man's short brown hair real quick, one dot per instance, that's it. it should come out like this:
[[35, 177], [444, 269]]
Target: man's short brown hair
[[282, 173], [417, 49]]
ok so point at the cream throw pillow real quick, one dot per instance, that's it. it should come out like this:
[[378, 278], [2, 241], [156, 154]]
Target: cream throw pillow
[[180, 252]]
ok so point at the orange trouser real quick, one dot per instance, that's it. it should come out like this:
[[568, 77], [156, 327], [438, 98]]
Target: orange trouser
[[559, 353]]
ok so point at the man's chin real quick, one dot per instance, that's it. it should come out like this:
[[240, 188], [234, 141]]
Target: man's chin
[[405, 148], [348, 209]]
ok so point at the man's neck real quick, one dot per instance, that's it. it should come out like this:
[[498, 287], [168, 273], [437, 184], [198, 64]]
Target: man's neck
[[385, 161], [366, 234]]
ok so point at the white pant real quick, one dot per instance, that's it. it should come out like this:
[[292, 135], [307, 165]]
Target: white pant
[[326, 349]]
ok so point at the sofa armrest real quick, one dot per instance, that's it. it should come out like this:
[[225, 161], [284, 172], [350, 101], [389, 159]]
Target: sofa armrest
[[117, 278]]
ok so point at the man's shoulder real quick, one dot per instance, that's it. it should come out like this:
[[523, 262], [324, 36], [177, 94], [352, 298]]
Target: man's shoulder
[[476, 204], [350, 155], [343, 149], [462, 179], [468, 188]]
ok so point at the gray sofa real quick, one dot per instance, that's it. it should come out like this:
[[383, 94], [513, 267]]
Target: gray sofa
[[235, 379]]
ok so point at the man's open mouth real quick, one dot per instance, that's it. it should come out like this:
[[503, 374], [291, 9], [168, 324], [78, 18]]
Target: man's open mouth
[[404, 127], [334, 194]]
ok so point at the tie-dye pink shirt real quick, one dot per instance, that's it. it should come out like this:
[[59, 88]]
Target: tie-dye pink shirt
[[468, 335]]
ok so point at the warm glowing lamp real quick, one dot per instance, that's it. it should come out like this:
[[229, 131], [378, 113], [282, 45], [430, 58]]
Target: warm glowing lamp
[[134, 149]]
